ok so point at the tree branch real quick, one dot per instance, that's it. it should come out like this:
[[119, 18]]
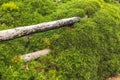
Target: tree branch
[[26, 30]]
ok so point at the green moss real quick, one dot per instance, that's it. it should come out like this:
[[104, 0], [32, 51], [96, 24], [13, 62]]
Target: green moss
[[68, 13], [107, 16], [10, 6], [88, 50], [89, 7]]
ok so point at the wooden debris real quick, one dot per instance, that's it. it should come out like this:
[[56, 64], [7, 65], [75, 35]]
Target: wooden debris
[[26, 30], [35, 55]]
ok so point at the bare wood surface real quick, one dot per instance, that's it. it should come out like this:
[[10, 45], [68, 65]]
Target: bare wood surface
[[26, 30], [34, 55]]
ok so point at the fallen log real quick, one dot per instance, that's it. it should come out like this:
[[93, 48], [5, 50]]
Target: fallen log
[[26, 30], [34, 55]]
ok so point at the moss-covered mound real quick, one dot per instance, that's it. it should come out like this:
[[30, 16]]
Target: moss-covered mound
[[88, 50]]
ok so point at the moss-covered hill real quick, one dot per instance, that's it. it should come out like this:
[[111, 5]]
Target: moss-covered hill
[[90, 50]]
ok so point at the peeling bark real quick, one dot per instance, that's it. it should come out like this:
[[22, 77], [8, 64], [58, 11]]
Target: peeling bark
[[34, 55], [26, 30]]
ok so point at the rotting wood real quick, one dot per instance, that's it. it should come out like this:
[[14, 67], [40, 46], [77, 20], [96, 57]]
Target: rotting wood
[[34, 55], [26, 30]]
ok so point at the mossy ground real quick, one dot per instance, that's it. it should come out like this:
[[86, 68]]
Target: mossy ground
[[89, 50]]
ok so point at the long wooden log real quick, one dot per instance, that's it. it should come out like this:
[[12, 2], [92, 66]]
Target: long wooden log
[[26, 30], [34, 55]]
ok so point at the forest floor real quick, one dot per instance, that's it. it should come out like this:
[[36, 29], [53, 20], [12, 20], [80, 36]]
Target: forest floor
[[114, 78]]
